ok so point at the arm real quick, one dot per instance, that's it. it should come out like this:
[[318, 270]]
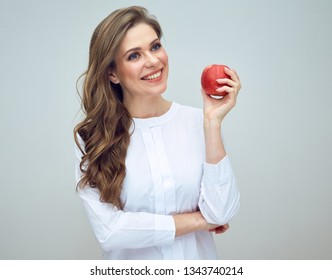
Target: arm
[[219, 199], [190, 222], [215, 111], [117, 229], [219, 196], [114, 228]]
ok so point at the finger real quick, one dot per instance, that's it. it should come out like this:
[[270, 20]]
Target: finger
[[219, 231], [228, 82], [233, 74], [227, 89], [222, 229]]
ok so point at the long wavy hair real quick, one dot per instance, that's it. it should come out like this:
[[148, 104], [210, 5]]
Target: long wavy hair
[[105, 128]]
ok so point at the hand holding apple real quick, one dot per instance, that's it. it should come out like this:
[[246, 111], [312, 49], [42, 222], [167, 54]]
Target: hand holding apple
[[219, 80]]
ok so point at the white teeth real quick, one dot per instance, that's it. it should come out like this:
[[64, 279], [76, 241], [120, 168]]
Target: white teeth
[[154, 76]]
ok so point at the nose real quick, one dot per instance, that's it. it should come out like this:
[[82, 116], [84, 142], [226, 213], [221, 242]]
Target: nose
[[151, 60]]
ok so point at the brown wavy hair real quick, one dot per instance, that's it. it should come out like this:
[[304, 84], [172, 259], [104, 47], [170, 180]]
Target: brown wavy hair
[[106, 123]]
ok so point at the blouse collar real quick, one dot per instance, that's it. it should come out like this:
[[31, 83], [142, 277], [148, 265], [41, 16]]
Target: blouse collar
[[156, 121]]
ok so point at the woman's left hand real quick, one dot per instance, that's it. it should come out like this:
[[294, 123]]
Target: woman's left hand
[[216, 109]]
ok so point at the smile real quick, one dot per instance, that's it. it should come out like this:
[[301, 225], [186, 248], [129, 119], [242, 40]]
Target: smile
[[153, 76]]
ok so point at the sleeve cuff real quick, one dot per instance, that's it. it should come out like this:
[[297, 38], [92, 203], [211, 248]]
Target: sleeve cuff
[[164, 229]]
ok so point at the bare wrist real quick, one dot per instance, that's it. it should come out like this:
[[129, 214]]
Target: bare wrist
[[212, 123]]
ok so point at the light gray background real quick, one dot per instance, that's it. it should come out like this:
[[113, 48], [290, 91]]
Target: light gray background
[[278, 137]]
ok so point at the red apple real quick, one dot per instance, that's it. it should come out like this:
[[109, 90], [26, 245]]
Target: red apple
[[209, 76]]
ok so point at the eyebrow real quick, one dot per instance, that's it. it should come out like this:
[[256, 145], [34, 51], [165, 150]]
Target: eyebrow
[[139, 48]]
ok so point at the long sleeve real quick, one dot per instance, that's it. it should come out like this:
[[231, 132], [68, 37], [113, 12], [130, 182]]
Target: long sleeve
[[219, 196], [116, 229]]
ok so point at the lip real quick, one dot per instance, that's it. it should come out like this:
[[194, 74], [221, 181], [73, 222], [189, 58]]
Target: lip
[[152, 73]]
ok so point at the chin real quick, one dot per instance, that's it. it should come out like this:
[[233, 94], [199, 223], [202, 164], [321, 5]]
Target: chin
[[162, 90]]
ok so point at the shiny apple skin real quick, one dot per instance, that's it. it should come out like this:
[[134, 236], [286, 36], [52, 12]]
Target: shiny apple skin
[[209, 76]]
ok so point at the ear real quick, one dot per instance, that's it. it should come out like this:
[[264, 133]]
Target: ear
[[112, 77]]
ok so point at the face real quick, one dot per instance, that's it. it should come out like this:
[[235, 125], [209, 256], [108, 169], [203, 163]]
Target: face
[[141, 64]]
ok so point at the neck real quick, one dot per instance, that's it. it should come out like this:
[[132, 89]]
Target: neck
[[147, 107]]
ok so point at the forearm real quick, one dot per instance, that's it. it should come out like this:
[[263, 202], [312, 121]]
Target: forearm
[[190, 222], [214, 147]]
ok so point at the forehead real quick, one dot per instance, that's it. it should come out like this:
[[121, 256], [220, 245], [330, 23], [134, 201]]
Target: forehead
[[137, 37]]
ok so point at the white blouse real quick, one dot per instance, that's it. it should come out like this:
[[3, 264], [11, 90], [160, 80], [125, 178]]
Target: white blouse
[[166, 174]]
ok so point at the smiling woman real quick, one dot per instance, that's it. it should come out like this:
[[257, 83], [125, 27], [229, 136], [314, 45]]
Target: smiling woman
[[142, 198]]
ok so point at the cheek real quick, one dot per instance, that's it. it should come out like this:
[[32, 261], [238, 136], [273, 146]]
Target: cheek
[[131, 70], [164, 57]]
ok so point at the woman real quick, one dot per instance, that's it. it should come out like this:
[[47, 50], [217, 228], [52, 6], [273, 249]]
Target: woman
[[153, 175]]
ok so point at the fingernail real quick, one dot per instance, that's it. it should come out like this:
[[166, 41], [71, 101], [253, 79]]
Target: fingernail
[[220, 81], [219, 90]]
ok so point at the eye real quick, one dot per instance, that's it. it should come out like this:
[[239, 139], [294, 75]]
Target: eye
[[133, 56], [156, 47]]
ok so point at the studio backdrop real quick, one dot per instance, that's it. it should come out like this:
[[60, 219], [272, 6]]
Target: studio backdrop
[[278, 137]]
